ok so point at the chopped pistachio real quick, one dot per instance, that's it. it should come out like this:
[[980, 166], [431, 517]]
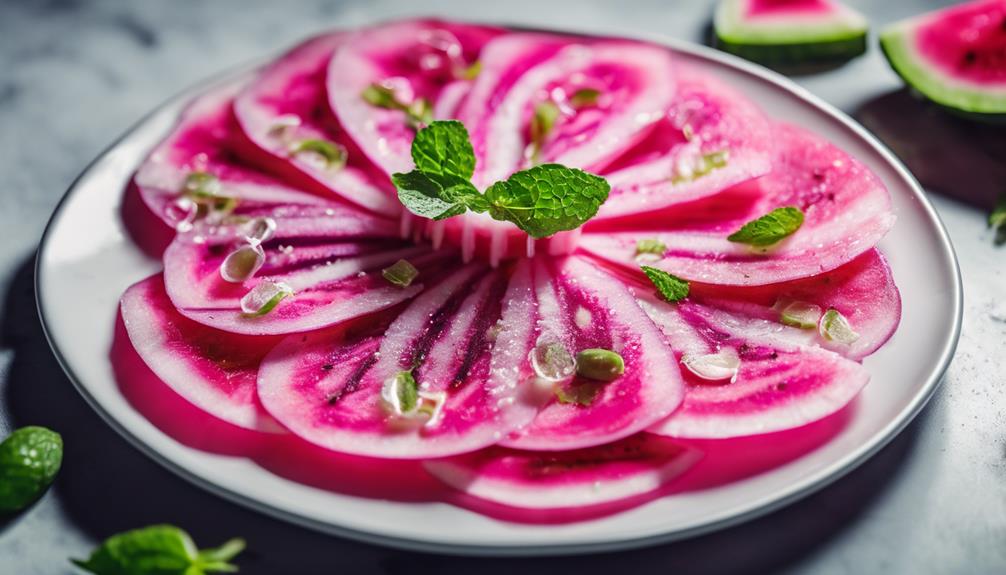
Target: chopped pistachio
[[264, 297], [835, 327], [599, 364], [401, 273], [242, 263]]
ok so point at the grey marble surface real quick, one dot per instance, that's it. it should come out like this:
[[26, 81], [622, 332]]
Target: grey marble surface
[[75, 74]]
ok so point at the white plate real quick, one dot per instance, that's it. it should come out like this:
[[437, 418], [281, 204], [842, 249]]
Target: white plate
[[86, 261]]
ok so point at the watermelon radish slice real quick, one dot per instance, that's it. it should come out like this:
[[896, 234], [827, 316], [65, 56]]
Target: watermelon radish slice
[[774, 385], [788, 32], [847, 211], [954, 56], [863, 291], [213, 370], [284, 106], [578, 478], [331, 258], [416, 59], [462, 339], [581, 307], [201, 143], [520, 72], [711, 138]]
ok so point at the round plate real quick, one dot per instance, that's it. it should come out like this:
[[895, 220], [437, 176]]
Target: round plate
[[86, 260]]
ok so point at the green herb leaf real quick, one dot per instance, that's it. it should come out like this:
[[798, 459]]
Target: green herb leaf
[[584, 97], [401, 273], [331, 153], [650, 246], [671, 287], [770, 228], [419, 113], [408, 391], [472, 71], [30, 458], [705, 164], [443, 148], [547, 199], [997, 221], [542, 122], [583, 393], [437, 197], [159, 550]]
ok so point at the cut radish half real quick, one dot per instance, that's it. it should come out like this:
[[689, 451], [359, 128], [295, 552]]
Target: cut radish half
[[581, 307], [778, 385], [331, 259], [847, 211], [200, 144], [711, 138], [285, 107], [419, 61], [579, 478], [463, 342], [213, 370]]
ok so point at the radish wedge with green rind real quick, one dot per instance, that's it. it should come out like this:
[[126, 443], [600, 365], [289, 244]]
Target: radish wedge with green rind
[[790, 32], [954, 56]]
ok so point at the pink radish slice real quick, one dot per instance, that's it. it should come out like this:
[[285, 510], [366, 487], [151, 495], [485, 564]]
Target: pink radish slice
[[201, 142], [466, 337], [863, 291], [581, 307], [778, 385], [286, 104], [331, 258], [706, 118], [415, 58], [522, 71], [577, 478], [213, 370], [847, 211]]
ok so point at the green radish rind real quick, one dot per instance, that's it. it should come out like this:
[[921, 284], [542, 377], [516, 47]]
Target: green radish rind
[[837, 36], [898, 43]]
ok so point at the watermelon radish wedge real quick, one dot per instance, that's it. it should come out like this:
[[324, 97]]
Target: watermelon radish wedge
[[954, 56], [459, 344], [201, 143], [862, 291], [578, 478], [847, 210], [287, 129], [712, 137], [581, 307], [213, 370], [790, 32], [332, 260], [741, 382], [420, 62]]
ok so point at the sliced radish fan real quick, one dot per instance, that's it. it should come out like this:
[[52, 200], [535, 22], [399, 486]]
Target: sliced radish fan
[[547, 378]]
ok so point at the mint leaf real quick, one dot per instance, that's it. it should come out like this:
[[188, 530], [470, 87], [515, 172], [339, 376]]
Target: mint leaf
[[547, 199], [444, 148], [419, 113], [30, 458], [158, 550], [671, 287], [770, 228], [437, 196], [997, 221]]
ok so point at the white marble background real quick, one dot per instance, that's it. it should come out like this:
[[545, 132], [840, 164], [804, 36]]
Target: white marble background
[[74, 74]]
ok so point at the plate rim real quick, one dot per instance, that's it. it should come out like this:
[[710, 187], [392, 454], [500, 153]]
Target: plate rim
[[793, 492]]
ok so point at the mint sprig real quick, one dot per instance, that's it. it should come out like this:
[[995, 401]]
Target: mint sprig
[[541, 201], [770, 228], [671, 287], [160, 550]]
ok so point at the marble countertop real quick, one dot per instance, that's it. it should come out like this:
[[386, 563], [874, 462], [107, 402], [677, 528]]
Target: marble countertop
[[75, 74]]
